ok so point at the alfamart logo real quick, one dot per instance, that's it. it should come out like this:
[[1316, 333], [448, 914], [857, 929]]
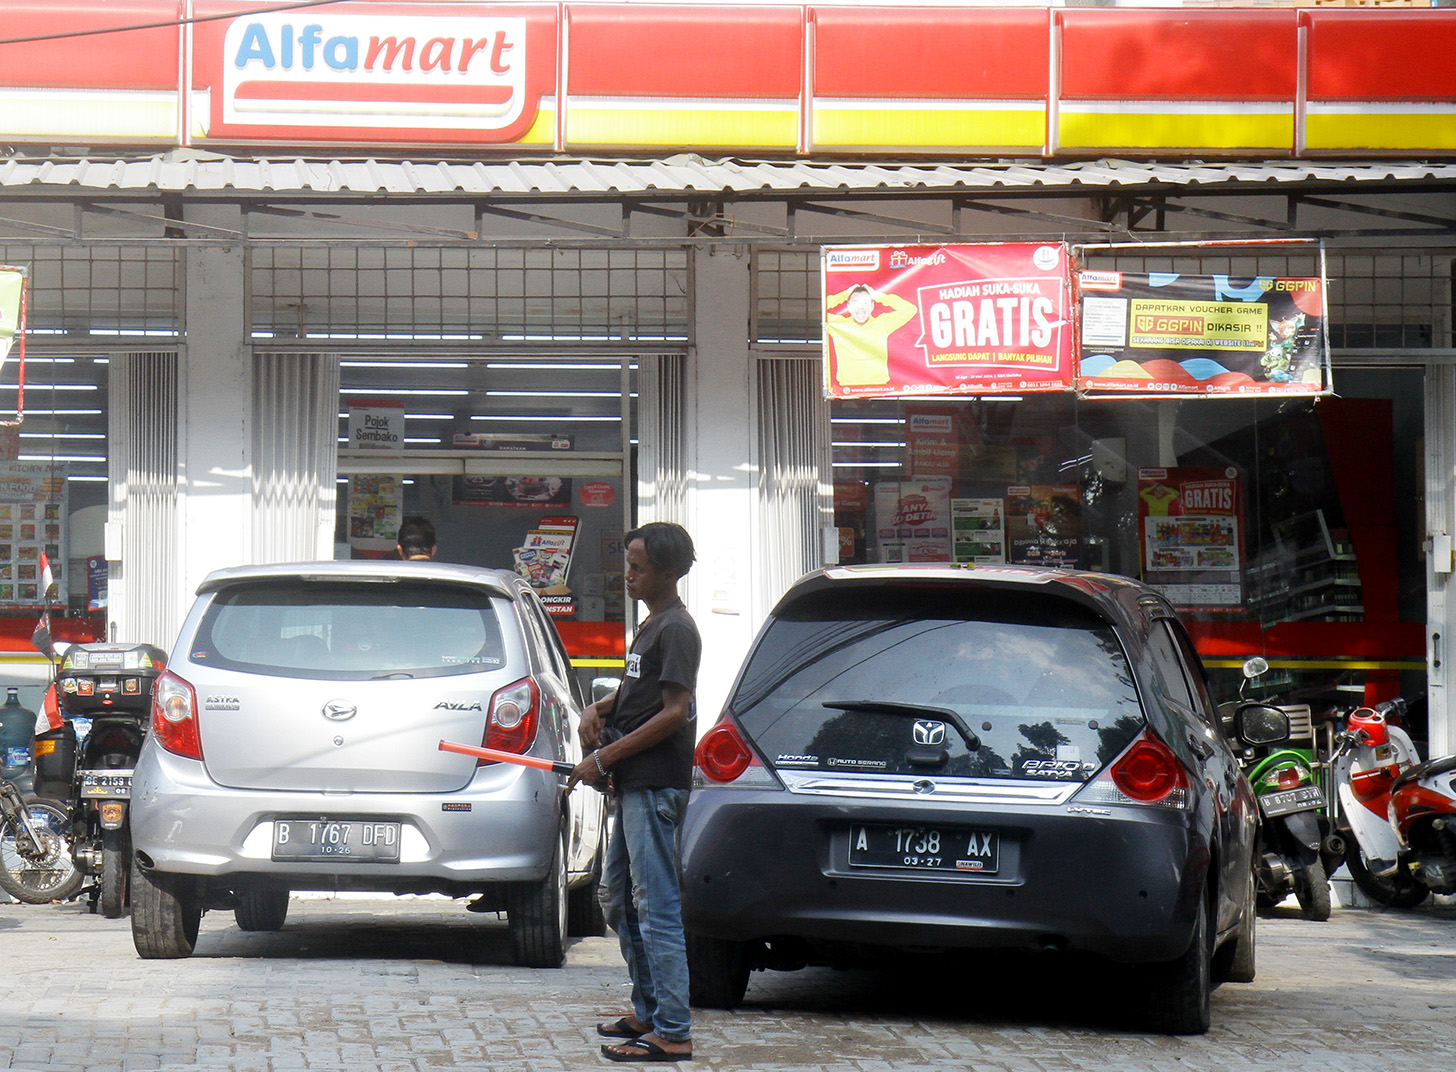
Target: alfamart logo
[[852, 260], [375, 71]]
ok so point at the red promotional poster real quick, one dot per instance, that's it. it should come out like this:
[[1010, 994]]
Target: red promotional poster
[[1191, 523], [931, 320]]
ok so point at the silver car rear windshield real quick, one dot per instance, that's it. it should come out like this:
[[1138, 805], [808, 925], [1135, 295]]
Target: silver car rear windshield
[[319, 629], [937, 682]]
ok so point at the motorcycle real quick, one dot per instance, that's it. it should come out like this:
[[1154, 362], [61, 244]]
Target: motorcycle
[[1297, 839], [1371, 756], [1423, 809], [109, 686], [35, 860]]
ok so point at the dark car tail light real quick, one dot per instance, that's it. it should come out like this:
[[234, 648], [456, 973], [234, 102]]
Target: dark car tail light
[[1147, 772], [723, 757], [514, 715], [174, 716]]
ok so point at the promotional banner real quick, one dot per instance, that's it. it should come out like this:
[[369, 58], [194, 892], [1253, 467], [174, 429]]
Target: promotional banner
[[1190, 519], [1044, 525], [12, 309], [927, 320], [376, 507], [1168, 333], [912, 520]]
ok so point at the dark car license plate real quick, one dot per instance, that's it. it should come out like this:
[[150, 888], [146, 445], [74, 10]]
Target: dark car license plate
[[924, 848], [357, 840], [1288, 801]]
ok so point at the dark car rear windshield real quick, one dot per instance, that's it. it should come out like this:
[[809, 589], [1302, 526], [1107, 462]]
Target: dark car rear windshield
[[351, 630], [939, 682]]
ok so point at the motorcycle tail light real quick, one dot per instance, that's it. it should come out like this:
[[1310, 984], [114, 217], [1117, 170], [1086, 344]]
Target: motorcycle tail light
[[174, 716], [723, 757], [1147, 772], [514, 714], [1289, 777], [1369, 725]]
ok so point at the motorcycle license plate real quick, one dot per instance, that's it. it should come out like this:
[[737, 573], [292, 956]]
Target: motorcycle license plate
[[1289, 801], [924, 848], [362, 841], [106, 784]]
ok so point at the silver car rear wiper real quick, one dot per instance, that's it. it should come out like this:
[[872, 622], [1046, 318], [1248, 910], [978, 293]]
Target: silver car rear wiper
[[905, 710], [392, 675]]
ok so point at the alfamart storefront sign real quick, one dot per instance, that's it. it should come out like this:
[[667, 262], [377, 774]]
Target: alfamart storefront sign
[[1016, 318], [799, 79]]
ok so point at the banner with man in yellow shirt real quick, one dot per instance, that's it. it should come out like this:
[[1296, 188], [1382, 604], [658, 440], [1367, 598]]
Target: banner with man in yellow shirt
[[950, 319]]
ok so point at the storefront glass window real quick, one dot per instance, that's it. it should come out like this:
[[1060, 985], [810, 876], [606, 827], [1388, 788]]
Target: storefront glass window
[[1290, 529]]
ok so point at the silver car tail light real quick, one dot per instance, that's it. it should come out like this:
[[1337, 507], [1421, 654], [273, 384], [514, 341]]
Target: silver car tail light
[[174, 716]]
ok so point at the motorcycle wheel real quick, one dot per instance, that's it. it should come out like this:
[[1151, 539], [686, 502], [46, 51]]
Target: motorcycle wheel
[[115, 873], [1398, 891], [49, 876], [1312, 890]]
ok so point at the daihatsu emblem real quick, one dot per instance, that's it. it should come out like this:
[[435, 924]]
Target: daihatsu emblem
[[928, 732], [339, 710]]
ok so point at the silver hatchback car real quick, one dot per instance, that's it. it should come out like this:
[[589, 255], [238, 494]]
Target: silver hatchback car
[[294, 745]]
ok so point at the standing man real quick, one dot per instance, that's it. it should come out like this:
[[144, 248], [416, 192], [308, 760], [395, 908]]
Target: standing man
[[643, 737]]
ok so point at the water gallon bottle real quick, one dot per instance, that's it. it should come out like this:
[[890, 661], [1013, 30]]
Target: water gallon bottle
[[17, 727]]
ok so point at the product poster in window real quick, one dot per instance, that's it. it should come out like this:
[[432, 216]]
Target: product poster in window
[[1191, 523], [1169, 333], [912, 520], [32, 533], [944, 320], [1044, 525], [980, 530]]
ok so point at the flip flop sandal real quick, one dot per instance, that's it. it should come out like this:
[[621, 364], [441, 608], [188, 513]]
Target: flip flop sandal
[[646, 1051], [622, 1029]]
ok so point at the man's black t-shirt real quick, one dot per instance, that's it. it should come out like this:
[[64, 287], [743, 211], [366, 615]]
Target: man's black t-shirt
[[665, 651]]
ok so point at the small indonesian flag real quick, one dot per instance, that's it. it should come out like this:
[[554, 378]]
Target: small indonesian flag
[[47, 576]]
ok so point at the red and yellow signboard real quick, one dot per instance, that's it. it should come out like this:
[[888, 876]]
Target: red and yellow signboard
[[926, 320]]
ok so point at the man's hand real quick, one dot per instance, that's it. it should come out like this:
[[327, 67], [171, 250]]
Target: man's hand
[[590, 732], [588, 773]]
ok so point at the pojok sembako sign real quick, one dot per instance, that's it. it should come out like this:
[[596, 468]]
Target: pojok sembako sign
[[1014, 318]]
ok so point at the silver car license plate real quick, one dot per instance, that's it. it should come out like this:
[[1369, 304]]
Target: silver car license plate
[[924, 848], [1288, 801], [106, 784], [353, 840]]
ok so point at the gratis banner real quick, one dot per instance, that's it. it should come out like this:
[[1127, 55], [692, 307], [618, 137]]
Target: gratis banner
[[1168, 333], [944, 320]]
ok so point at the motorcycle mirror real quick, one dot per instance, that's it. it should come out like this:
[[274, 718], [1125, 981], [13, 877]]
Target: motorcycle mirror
[[1260, 724], [1254, 666], [604, 686]]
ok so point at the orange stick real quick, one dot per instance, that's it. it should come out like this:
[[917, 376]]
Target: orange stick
[[507, 757]]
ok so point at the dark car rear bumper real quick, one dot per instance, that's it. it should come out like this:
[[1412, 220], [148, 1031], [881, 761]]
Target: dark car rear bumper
[[1121, 882]]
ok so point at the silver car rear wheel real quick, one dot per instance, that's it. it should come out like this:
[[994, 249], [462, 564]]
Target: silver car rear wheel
[[537, 912]]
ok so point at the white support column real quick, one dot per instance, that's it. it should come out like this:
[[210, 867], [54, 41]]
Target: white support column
[[217, 401], [1441, 529], [721, 480]]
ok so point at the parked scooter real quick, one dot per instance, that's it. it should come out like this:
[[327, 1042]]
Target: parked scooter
[[1371, 756], [1296, 835], [1423, 809], [111, 686]]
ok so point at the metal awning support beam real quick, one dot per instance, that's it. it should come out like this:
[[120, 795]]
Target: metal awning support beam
[[916, 226], [1445, 223], [39, 228], [483, 209], [1030, 213], [356, 221], [168, 223]]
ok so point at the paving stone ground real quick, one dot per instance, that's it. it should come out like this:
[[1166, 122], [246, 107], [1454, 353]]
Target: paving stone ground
[[416, 984]]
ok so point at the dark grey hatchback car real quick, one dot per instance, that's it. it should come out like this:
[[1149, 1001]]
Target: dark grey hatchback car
[[935, 758]]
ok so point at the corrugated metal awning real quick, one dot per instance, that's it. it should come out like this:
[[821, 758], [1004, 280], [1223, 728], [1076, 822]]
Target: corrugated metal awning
[[183, 171]]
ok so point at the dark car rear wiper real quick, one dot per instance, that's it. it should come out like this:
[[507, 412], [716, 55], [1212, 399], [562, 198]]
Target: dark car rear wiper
[[905, 710]]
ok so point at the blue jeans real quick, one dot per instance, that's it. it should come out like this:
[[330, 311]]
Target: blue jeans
[[643, 904]]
